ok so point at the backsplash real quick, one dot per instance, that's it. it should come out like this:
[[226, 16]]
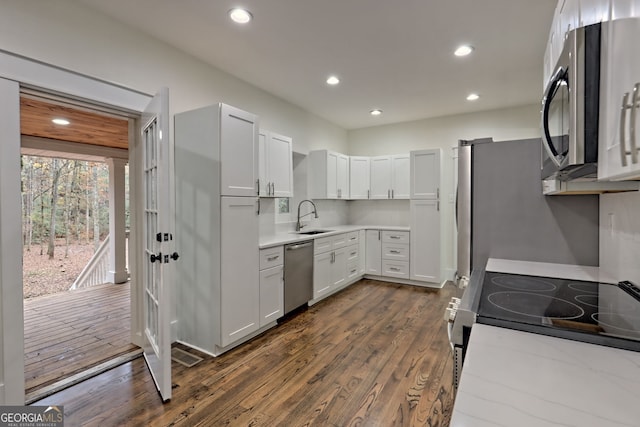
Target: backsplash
[[379, 212], [620, 235]]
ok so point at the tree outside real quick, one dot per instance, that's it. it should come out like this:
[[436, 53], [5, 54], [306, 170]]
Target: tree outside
[[65, 216]]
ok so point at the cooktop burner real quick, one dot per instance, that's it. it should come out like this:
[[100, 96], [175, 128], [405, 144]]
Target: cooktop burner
[[601, 313]]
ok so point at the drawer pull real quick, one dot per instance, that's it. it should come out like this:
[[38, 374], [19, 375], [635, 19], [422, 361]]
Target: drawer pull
[[394, 252], [394, 269], [273, 258], [353, 271], [353, 253], [394, 237]]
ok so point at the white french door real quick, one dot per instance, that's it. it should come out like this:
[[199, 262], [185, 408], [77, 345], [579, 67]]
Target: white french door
[[11, 314], [157, 262]]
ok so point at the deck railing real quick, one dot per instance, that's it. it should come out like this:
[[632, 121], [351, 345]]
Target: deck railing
[[95, 272]]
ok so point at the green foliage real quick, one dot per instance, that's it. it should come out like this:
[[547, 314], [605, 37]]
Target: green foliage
[[77, 191]]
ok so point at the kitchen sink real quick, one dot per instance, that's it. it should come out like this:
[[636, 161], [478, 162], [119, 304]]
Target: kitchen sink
[[312, 232]]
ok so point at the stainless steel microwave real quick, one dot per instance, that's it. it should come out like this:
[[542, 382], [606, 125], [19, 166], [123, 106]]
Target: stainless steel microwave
[[570, 109]]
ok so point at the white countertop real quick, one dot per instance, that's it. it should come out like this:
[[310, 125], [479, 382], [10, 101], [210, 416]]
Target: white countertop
[[546, 269], [283, 238], [513, 378]]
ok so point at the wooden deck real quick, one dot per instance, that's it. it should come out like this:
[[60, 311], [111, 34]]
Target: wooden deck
[[375, 354], [71, 332]]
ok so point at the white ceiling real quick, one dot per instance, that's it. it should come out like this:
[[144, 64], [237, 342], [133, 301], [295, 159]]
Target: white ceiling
[[393, 55]]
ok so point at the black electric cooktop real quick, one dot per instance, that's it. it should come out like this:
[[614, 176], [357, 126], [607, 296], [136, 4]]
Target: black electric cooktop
[[600, 313]]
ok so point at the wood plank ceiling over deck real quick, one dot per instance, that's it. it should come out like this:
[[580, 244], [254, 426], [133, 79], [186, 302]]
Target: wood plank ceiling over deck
[[85, 127]]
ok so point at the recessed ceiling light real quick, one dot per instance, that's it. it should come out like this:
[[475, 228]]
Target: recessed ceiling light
[[472, 97], [240, 16], [333, 80], [375, 112], [62, 122], [463, 50]]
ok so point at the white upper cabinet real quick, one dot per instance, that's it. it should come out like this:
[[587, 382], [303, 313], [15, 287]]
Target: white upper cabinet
[[329, 175], [359, 177], [276, 165], [618, 154], [390, 177], [238, 152], [425, 174]]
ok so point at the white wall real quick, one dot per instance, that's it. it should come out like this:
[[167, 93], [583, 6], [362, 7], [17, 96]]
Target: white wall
[[442, 132], [72, 36]]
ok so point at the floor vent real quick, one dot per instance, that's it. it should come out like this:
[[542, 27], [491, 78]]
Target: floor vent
[[184, 357]]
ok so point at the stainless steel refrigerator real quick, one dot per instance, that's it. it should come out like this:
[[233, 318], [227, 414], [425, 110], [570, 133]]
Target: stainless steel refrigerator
[[502, 213]]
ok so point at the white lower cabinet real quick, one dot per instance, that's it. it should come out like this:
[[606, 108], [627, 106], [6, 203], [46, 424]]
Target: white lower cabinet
[[336, 262], [425, 241], [271, 284], [271, 294], [239, 261], [373, 253], [388, 253]]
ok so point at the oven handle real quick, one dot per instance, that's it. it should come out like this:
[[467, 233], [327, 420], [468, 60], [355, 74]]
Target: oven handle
[[559, 76], [449, 332]]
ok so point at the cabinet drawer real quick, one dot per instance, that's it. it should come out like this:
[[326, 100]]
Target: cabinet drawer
[[395, 252], [271, 257], [322, 244], [395, 236], [395, 269], [352, 238], [339, 241], [353, 253], [352, 270]]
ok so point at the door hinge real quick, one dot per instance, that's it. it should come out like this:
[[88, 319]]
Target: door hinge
[[164, 237]]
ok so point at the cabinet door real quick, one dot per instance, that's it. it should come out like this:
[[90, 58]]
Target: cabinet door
[[332, 175], [425, 241], [322, 264], [425, 174], [373, 252], [359, 177], [280, 165], [240, 263], [238, 152], [339, 268], [263, 164], [400, 176], [271, 294], [620, 72], [380, 177], [362, 245], [342, 176]]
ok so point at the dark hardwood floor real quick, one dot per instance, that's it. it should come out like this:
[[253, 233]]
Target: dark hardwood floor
[[375, 354]]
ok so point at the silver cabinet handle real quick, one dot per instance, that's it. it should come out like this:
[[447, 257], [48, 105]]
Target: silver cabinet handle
[[438, 193], [438, 206], [394, 269], [392, 194], [353, 271], [394, 252], [258, 186], [632, 133], [353, 253], [273, 258], [623, 124], [258, 211], [389, 194], [394, 237], [379, 234], [368, 194]]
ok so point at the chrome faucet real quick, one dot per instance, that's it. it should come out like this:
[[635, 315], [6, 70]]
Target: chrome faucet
[[315, 212]]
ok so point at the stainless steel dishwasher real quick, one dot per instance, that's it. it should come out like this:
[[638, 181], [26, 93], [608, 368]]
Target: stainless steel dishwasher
[[298, 274]]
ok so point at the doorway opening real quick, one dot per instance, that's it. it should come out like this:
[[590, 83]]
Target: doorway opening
[[77, 305]]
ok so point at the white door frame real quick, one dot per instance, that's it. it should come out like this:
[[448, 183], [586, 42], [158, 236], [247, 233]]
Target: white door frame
[[47, 78]]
